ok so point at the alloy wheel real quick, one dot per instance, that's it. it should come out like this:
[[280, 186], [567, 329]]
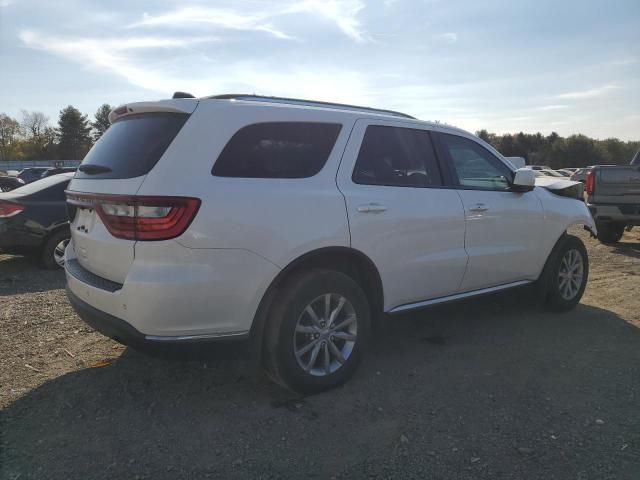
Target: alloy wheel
[[325, 334]]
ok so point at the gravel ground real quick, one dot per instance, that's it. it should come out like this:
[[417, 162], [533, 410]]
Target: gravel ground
[[494, 388]]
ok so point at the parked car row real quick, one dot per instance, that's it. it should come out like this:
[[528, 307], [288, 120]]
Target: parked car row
[[28, 175], [8, 183]]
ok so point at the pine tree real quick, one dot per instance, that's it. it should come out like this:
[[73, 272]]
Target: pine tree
[[73, 134], [101, 122]]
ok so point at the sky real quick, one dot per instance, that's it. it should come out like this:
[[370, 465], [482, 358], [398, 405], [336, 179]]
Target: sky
[[570, 66]]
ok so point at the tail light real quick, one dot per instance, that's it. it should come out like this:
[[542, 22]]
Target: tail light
[[9, 209], [138, 217], [590, 182]]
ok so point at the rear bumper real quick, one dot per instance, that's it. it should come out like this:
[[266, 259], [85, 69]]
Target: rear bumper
[[175, 294], [124, 333], [629, 214]]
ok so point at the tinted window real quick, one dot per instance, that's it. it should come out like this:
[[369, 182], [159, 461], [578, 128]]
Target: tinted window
[[277, 150], [396, 157], [475, 166], [133, 145]]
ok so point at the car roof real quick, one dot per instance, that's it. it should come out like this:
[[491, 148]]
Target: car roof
[[351, 110]]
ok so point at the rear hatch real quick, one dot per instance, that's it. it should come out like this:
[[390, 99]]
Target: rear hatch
[[616, 185], [101, 198]]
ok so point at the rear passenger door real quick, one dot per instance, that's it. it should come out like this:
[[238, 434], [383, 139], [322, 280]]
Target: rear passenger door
[[400, 215], [504, 227]]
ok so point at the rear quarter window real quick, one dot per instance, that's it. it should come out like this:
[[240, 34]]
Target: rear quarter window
[[277, 150], [133, 145]]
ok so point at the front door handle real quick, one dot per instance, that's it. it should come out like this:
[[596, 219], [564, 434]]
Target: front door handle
[[479, 208], [372, 208]]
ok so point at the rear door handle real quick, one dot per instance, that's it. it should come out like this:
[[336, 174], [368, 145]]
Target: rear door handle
[[479, 208], [372, 208]]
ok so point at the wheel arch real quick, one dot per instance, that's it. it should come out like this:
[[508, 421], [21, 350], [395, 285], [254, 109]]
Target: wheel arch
[[347, 260]]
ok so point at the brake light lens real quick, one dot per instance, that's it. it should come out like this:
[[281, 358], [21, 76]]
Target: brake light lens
[[138, 217], [590, 183], [9, 209]]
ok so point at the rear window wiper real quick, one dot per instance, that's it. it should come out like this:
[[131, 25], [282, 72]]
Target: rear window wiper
[[93, 169]]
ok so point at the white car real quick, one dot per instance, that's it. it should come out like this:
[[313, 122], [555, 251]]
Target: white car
[[299, 224]]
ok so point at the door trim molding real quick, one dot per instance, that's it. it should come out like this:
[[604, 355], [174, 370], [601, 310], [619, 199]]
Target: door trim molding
[[458, 296]]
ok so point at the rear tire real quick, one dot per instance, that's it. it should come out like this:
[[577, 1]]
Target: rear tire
[[50, 253], [610, 232], [316, 332], [565, 274]]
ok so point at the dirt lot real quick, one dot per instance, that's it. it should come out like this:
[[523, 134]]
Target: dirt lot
[[494, 388]]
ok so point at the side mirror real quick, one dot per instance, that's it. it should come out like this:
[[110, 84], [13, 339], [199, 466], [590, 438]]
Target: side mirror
[[524, 180]]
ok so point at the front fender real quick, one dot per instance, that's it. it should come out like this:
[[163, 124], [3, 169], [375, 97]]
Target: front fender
[[560, 214]]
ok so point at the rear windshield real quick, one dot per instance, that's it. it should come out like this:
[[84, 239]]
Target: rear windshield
[[133, 145]]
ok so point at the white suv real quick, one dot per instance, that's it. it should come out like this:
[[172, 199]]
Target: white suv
[[299, 224]]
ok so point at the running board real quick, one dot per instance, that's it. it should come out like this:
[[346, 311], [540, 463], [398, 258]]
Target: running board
[[458, 296]]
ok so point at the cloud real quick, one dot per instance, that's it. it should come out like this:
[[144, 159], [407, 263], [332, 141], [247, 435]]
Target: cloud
[[127, 59], [591, 93], [214, 17], [116, 55], [448, 37], [341, 13], [623, 62], [552, 107]]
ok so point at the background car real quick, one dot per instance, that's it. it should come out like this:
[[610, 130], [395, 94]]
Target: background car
[[58, 170], [580, 175], [32, 174], [34, 221], [547, 173], [10, 183]]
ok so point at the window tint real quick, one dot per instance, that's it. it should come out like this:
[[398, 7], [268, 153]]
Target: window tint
[[277, 150], [396, 156], [475, 166], [133, 145]]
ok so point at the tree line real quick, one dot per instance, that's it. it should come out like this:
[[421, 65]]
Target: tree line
[[559, 152], [32, 137]]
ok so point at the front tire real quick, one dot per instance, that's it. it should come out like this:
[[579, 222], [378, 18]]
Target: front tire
[[610, 232], [566, 273], [317, 331]]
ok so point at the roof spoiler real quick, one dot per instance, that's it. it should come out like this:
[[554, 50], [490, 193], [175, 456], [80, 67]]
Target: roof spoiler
[[177, 105]]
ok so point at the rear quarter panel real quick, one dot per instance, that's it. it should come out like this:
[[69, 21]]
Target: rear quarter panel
[[278, 219]]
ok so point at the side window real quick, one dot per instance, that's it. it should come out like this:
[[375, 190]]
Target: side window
[[394, 156], [277, 150], [475, 166]]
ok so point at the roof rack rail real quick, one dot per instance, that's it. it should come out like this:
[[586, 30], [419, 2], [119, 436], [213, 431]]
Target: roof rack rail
[[311, 103]]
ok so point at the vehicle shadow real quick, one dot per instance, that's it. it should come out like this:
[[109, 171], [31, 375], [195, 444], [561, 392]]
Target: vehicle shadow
[[629, 249], [495, 379], [22, 275]]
